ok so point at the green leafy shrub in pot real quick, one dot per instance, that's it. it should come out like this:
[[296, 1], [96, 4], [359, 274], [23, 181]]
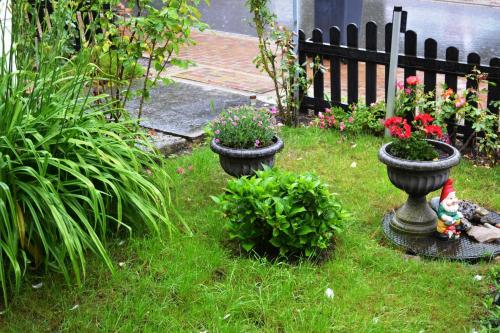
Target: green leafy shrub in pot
[[282, 211]]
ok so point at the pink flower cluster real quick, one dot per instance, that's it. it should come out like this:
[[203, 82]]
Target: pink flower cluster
[[327, 119]]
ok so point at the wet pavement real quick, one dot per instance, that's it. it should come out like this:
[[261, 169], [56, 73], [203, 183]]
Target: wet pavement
[[183, 109], [470, 28]]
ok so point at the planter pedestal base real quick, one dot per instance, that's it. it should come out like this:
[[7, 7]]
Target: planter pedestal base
[[415, 217], [430, 246]]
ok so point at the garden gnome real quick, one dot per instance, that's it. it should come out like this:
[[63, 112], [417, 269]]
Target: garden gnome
[[449, 218]]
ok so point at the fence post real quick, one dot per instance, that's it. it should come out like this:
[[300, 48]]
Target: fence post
[[302, 62], [393, 66]]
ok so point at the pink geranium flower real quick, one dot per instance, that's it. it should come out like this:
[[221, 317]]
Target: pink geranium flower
[[460, 102], [412, 80]]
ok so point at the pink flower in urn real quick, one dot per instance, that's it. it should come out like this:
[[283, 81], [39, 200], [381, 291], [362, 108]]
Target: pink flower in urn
[[351, 119], [400, 85], [460, 102], [257, 143], [412, 80], [342, 126], [217, 140], [407, 91]]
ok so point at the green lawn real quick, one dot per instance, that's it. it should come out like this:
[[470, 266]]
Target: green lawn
[[193, 284]]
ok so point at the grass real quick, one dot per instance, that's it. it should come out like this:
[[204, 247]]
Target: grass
[[191, 284]]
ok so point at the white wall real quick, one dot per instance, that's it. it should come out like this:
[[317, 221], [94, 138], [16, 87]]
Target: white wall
[[5, 26]]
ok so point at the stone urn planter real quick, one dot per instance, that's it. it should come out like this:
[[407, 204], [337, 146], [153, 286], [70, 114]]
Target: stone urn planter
[[418, 178], [244, 162]]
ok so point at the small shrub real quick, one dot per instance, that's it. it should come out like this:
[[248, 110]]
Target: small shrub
[[244, 127], [360, 119], [285, 211]]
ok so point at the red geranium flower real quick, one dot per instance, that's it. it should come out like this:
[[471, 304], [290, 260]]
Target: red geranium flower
[[425, 118], [393, 121], [433, 130], [398, 127]]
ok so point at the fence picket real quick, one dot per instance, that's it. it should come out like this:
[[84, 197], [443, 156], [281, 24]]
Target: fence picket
[[451, 82], [352, 65], [494, 91], [410, 51], [452, 59], [371, 67], [318, 81], [430, 52], [335, 85], [472, 59]]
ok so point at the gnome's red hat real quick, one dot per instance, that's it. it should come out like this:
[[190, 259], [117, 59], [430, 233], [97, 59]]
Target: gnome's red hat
[[447, 189]]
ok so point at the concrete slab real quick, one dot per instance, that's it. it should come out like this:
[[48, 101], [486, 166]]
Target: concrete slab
[[183, 109]]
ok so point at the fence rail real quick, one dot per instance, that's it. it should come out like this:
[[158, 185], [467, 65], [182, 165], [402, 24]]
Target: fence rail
[[351, 53]]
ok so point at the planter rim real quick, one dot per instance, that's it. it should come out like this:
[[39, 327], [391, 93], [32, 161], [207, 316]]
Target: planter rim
[[446, 163], [249, 152]]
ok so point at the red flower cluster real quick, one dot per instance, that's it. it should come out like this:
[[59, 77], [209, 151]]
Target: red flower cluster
[[433, 130], [398, 127], [424, 118]]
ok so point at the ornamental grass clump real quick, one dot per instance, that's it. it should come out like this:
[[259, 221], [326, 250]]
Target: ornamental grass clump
[[281, 212], [410, 143], [245, 127], [69, 177]]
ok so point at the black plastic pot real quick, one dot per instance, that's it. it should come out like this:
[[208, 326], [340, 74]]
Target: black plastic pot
[[244, 162], [418, 178]]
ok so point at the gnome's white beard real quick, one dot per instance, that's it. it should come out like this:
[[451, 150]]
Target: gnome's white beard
[[450, 207]]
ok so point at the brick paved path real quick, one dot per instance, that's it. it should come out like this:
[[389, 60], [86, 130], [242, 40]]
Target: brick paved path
[[225, 60]]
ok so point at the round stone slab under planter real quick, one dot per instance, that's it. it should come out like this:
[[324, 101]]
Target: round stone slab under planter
[[244, 162], [431, 247]]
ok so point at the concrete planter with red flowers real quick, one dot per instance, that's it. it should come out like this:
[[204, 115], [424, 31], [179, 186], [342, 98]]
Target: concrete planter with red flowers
[[417, 179], [244, 162]]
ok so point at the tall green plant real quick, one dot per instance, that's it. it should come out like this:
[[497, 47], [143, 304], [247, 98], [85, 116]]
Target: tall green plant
[[68, 176], [121, 38], [278, 60]]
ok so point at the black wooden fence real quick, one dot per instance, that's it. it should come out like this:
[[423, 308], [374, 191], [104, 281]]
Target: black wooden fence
[[352, 53]]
